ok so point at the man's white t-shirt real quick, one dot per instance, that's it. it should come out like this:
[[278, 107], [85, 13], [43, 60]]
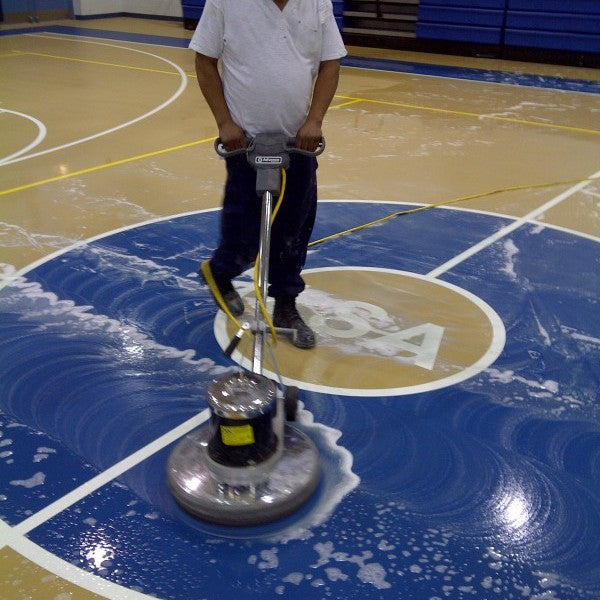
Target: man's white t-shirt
[[270, 57]]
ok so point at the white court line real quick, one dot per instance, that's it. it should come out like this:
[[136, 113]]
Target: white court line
[[107, 476], [182, 85], [40, 136], [14, 537], [74, 574], [508, 229]]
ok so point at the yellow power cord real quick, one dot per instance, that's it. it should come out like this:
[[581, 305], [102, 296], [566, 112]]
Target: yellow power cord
[[210, 280], [445, 203]]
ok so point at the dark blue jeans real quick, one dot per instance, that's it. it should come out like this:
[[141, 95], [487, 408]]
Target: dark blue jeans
[[291, 231]]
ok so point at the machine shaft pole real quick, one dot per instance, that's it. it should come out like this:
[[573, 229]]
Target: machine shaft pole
[[263, 279]]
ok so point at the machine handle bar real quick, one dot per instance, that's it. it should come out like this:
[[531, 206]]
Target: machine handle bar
[[290, 147]]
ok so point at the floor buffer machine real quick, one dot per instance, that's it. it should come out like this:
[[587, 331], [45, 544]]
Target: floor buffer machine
[[249, 465]]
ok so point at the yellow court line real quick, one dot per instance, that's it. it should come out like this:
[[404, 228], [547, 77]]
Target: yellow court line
[[104, 166], [476, 115], [345, 103], [98, 62]]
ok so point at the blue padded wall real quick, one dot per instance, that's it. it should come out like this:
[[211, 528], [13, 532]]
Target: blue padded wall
[[192, 10], [567, 25], [18, 6], [478, 21], [586, 7], [338, 13], [572, 25]]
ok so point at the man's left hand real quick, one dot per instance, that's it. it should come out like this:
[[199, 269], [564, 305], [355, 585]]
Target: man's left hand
[[309, 136]]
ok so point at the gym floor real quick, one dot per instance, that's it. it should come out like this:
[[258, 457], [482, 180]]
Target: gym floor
[[453, 394]]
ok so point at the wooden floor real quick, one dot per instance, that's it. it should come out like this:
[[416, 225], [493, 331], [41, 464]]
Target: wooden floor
[[440, 139], [104, 130]]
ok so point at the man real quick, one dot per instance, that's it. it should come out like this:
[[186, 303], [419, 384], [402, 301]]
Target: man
[[280, 69]]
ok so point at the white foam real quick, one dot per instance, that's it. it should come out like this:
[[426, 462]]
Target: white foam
[[543, 332], [35, 480], [143, 270], [510, 251], [547, 580], [338, 482], [548, 386], [294, 578], [374, 574], [335, 574], [35, 304], [368, 572], [39, 457], [580, 337], [385, 546], [270, 560]]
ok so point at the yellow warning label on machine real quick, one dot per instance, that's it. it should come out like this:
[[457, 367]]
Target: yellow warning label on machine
[[237, 435]]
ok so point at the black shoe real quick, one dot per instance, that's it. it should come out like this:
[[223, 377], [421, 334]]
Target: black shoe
[[286, 315], [232, 299]]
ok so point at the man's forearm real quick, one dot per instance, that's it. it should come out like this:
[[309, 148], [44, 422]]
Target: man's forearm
[[310, 134], [209, 79], [324, 90], [211, 86]]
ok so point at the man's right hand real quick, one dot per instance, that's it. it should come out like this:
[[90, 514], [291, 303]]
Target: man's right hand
[[232, 136]]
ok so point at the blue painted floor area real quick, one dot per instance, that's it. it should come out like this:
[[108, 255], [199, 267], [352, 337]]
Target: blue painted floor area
[[547, 292], [486, 489], [376, 64], [415, 247]]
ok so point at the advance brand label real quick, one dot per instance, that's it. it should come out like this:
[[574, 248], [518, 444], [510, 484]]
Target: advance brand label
[[268, 160]]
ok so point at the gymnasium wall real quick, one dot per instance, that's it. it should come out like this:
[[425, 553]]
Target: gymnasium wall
[[21, 10], [162, 8], [14, 6], [567, 25], [18, 11]]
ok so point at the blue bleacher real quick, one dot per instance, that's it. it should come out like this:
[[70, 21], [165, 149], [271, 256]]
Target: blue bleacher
[[585, 7], [572, 25], [568, 25], [475, 21], [192, 10], [338, 13]]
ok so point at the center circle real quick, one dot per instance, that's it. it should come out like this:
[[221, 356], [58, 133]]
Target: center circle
[[380, 332]]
